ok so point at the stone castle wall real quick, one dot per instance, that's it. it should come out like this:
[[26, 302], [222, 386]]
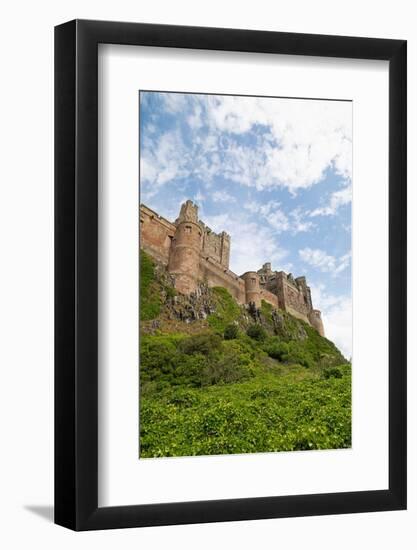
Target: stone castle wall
[[156, 234], [215, 246], [214, 274], [192, 252], [270, 298]]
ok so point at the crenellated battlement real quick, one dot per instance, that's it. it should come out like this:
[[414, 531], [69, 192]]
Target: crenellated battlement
[[192, 252]]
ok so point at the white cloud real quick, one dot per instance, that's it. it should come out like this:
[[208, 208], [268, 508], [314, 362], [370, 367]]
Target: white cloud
[[175, 102], [319, 259], [305, 137], [199, 198], [164, 160], [299, 224], [262, 208], [293, 142], [222, 196], [278, 219], [336, 313], [194, 120], [337, 199]]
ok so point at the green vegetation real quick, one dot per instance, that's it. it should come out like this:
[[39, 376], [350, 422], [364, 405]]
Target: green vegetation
[[193, 362], [231, 332], [150, 299], [235, 385], [266, 310], [270, 412], [257, 332], [227, 310]]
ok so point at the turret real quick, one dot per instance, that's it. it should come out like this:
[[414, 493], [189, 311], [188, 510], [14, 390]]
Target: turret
[[315, 320], [184, 257], [252, 289]]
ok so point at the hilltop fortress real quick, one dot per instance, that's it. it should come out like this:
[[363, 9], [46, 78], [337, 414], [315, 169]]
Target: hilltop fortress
[[192, 252]]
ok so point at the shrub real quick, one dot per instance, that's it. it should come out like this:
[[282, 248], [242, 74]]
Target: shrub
[[203, 344], [301, 358], [231, 332], [334, 372], [256, 332], [170, 291], [226, 369], [277, 350], [267, 413]]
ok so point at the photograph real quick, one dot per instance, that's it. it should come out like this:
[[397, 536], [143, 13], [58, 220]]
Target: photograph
[[245, 294], [208, 335]]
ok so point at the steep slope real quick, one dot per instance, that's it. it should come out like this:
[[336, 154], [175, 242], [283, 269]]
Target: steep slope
[[217, 377]]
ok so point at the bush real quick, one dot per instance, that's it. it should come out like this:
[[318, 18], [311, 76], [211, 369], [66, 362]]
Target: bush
[[226, 369], [231, 332], [278, 350], [266, 413], [301, 358], [256, 332], [203, 344], [332, 373]]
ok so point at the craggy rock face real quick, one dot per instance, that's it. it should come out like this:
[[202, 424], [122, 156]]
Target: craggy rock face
[[192, 252]]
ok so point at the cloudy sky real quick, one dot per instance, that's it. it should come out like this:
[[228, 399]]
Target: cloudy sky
[[274, 173]]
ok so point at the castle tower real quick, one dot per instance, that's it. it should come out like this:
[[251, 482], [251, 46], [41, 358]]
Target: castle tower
[[252, 289], [184, 259], [302, 284], [315, 320]]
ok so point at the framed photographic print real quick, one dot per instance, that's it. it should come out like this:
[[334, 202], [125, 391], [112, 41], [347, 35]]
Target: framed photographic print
[[230, 244]]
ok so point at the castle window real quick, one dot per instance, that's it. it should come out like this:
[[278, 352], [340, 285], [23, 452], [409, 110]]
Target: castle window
[[188, 228], [253, 280]]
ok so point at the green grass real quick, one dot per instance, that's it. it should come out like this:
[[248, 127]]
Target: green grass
[[266, 310], [150, 299], [237, 386], [227, 310], [270, 412], [205, 395]]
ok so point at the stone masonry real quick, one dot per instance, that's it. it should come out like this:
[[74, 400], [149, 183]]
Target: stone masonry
[[192, 252]]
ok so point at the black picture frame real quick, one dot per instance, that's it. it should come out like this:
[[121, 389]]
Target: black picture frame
[[76, 272]]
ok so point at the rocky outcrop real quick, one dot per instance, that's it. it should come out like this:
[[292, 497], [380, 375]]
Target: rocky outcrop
[[195, 306]]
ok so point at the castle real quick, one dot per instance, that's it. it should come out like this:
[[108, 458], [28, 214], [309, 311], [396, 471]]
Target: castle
[[192, 252]]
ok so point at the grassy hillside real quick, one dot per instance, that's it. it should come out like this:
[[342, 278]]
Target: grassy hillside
[[215, 378]]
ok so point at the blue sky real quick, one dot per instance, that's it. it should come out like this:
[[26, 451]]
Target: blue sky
[[274, 173]]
